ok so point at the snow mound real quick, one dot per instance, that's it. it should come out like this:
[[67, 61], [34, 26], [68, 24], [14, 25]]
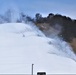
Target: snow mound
[[20, 28], [14, 27], [22, 45]]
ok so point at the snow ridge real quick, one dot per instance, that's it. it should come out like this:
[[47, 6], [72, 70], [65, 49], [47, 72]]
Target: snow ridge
[[23, 44], [30, 29]]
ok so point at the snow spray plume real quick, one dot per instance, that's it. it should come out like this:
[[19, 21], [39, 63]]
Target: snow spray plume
[[62, 48], [10, 11]]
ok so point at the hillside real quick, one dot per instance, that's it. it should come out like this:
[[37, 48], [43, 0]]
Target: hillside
[[22, 45], [58, 25]]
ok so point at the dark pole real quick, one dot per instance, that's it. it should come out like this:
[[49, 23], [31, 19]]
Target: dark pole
[[32, 69]]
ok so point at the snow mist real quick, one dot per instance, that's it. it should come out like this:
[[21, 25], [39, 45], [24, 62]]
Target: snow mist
[[59, 46]]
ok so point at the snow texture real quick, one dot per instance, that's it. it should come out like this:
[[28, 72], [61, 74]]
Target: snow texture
[[22, 45]]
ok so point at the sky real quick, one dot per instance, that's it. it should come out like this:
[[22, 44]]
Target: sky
[[31, 7]]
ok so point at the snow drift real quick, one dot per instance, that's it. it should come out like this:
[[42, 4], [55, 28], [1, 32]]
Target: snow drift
[[22, 45]]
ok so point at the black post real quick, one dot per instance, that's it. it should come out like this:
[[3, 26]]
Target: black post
[[32, 69]]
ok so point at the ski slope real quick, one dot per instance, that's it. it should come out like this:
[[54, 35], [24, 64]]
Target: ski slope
[[22, 45]]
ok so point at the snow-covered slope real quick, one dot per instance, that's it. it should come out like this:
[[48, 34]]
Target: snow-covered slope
[[22, 45]]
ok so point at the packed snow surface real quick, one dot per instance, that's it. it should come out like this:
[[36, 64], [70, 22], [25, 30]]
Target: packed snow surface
[[22, 45]]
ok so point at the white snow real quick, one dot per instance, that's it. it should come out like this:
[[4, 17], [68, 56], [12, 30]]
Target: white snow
[[22, 45]]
